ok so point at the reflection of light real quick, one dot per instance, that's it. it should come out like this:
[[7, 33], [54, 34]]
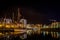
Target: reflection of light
[[0, 25], [12, 26], [52, 34], [8, 36], [21, 25], [16, 33], [15, 26], [58, 34], [24, 36], [17, 30], [7, 26], [29, 32], [1, 34], [55, 34], [47, 33], [18, 24], [44, 33]]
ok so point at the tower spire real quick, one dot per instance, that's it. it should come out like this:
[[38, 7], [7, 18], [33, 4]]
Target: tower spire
[[13, 17], [19, 15]]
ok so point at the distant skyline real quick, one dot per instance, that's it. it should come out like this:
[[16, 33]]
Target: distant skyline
[[35, 13]]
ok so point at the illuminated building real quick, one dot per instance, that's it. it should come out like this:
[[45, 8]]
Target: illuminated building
[[8, 21], [39, 26], [28, 26], [7, 26], [1, 25], [29, 29], [44, 26], [24, 21], [55, 25]]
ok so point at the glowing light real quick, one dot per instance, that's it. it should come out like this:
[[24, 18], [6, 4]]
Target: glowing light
[[21, 25], [1, 34], [16, 33], [8, 21], [15, 26], [47, 33], [7, 26], [17, 30], [23, 36], [0, 25], [29, 32], [12, 26]]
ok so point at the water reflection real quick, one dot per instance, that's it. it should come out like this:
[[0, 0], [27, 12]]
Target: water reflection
[[53, 34], [45, 36]]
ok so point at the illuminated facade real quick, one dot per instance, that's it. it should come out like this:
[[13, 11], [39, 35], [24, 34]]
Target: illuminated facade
[[24, 21]]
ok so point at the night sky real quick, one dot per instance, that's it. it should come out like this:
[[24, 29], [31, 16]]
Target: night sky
[[34, 12]]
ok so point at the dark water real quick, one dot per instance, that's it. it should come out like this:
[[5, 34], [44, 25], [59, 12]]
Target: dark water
[[32, 37], [41, 37]]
